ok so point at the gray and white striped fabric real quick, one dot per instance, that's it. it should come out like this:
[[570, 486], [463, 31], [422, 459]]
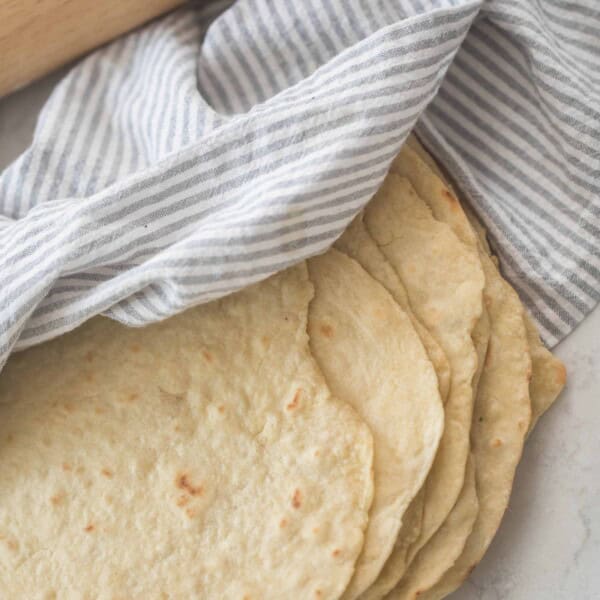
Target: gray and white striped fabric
[[221, 144]]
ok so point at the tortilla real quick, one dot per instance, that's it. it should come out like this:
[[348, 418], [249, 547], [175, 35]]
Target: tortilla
[[444, 282], [200, 456], [549, 374], [424, 569], [445, 207], [502, 407], [359, 245], [372, 357]]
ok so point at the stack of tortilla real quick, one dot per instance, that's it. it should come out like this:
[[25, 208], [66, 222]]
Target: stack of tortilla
[[348, 428]]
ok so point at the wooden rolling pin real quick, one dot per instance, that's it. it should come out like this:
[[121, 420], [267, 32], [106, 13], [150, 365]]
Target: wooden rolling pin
[[37, 36]]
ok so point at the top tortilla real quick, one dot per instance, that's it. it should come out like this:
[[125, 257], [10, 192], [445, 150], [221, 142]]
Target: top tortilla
[[199, 456]]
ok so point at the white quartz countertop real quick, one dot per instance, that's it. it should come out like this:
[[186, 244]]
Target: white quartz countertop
[[548, 547]]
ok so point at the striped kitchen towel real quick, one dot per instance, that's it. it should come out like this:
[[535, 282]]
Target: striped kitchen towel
[[222, 143]]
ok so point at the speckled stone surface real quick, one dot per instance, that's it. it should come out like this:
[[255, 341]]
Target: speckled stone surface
[[548, 547]]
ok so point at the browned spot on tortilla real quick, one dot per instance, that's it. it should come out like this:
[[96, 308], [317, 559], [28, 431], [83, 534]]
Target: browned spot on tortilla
[[70, 407], [326, 330], [190, 512], [318, 594], [496, 443], [132, 397], [89, 528], [57, 498], [135, 348], [295, 401], [99, 410], [561, 374], [379, 313], [184, 483], [106, 472], [177, 428], [89, 356], [336, 553], [207, 355], [315, 530], [67, 467], [182, 500], [12, 544], [221, 409], [522, 424], [282, 523], [487, 300], [297, 498], [109, 499], [10, 437], [79, 470], [317, 453], [266, 340], [90, 377], [529, 373]]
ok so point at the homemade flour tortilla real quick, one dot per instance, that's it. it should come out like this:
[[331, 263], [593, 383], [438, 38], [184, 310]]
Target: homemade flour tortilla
[[357, 243], [423, 571], [549, 374], [202, 456], [445, 207], [502, 406], [372, 357], [444, 282]]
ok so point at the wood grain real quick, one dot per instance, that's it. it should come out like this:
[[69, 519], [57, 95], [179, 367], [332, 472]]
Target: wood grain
[[37, 36]]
